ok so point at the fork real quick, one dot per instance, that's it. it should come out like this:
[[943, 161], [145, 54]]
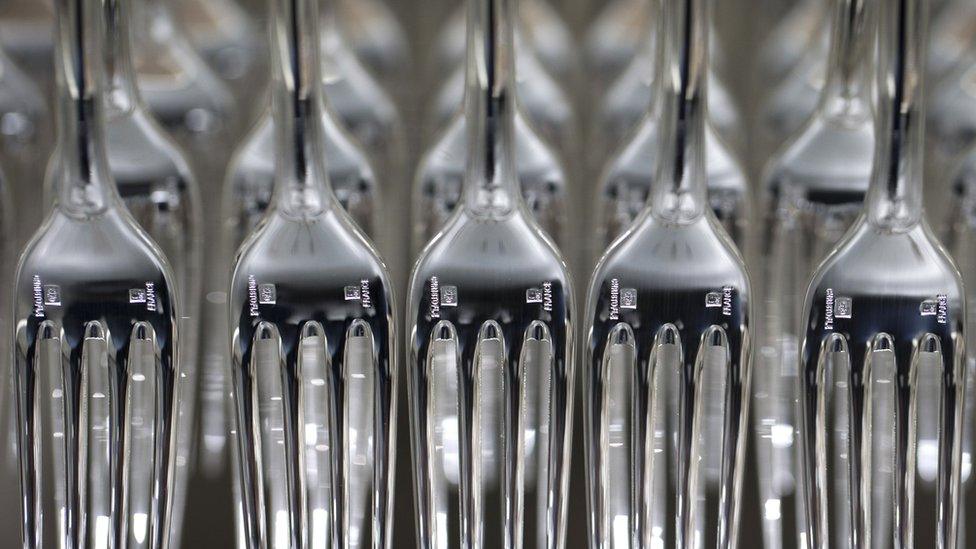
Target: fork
[[491, 337], [313, 337], [882, 361], [96, 311], [668, 339]]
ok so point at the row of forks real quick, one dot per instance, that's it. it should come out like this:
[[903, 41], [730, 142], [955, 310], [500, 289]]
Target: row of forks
[[105, 334]]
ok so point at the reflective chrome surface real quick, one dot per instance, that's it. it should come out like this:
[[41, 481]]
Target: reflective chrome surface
[[439, 183], [882, 359], [490, 337], [313, 335], [97, 361], [666, 382], [625, 185], [250, 179]]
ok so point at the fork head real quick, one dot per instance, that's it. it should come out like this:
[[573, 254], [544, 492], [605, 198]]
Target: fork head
[[312, 334], [669, 313], [884, 339], [440, 180], [490, 320], [96, 312], [314, 338], [250, 179], [872, 327]]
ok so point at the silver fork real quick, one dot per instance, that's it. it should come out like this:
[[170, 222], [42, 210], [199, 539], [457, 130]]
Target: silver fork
[[313, 337], [883, 354], [96, 312], [491, 337], [668, 349]]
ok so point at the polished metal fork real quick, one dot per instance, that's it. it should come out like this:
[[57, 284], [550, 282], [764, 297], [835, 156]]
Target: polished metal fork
[[313, 336], [96, 313], [882, 360], [668, 349], [491, 337]]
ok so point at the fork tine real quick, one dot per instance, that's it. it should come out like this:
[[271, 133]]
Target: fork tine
[[715, 353], [148, 434], [43, 401], [314, 366], [359, 368], [861, 378], [539, 356], [383, 400], [646, 398], [952, 402], [619, 351], [437, 366], [488, 353], [813, 420], [272, 437], [100, 441]]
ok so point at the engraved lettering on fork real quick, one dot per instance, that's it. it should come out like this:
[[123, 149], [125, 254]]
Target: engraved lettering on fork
[[829, 310], [151, 296], [38, 291], [435, 298], [252, 294], [364, 296], [727, 300], [614, 299], [541, 295], [938, 307]]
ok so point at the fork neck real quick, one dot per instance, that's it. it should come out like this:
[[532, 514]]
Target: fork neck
[[121, 93], [895, 196], [83, 184], [847, 88], [491, 181], [302, 186], [678, 190]]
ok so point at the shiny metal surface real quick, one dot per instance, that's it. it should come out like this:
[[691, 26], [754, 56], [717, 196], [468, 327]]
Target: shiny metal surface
[[250, 178], [97, 315], [439, 184], [313, 336], [666, 377], [490, 336], [882, 359]]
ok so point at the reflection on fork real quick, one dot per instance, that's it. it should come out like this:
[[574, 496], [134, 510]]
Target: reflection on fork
[[313, 337], [882, 361], [668, 348], [96, 337], [490, 343]]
